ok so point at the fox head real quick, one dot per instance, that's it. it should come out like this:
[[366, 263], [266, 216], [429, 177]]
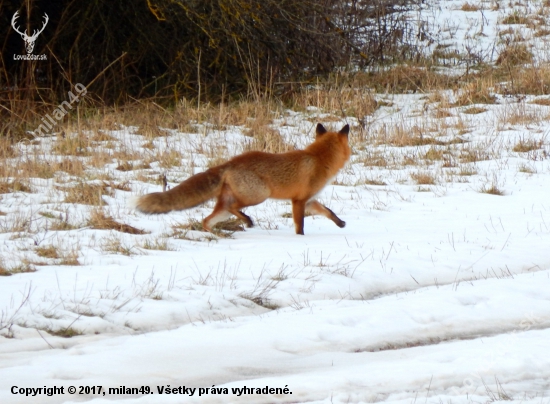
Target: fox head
[[342, 135], [332, 146]]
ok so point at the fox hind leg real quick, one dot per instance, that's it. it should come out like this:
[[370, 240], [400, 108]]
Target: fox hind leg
[[219, 214], [226, 205], [245, 218], [221, 211], [315, 207], [244, 188]]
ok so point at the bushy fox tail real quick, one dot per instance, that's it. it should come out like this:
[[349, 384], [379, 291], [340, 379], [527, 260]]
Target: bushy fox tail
[[195, 190]]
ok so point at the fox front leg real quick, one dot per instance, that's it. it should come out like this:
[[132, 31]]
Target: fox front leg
[[298, 212]]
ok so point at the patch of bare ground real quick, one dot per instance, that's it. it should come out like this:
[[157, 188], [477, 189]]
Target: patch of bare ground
[[340, 94], [7, 151], [478, 91], [524, 146], [23, 267], [57, 255], [474, 110], [223, 229], [541, 101], [87, 194], [491, 189], [515, 54], [7, 186], [515, 17], [268, 140], [423, 178], [72, 145], [406, 79], [468, 7], [101, 221], [42, 168]]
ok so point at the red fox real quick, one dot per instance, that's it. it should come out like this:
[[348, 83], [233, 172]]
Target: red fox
[[251, 178]]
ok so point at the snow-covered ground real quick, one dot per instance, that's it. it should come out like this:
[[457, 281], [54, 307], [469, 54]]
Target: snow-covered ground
[[431, 293]]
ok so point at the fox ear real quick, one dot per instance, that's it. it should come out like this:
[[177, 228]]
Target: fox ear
[[344, 130], [320, 130]]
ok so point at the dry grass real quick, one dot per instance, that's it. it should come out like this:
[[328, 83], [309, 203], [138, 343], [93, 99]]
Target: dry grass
[[527, 169], [474, 110], [515, 54], [469, 7], [101, 221], [441, 113], [41, 168], [473, 155], [68, 332], [114, 244], [99, 158], [23, 267], [345, 95], [541, 32], [167, 158], [434, 154], [445, 56], [150, 130], [515, 17], [478, 91], [100, 136], [16, 222], [87, 194], [36, 169], [542, 101], [524, 146], [519, 115], [491, 190], [268, 140], [70, 166], [158, 244], [223, 229], [77, 145], [230, 225], [403, 135], [374, 159], [69, 258], [120, 186], [533, 80], [423, 178], [59, 255], [3, 270], [466, 171], [128, 166], [62, 224], [374, 182], [7, 150], [406, 79], [7, 187], [47, 252]]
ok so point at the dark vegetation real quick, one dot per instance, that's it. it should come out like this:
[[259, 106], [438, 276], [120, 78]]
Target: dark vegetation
[[204, 50]]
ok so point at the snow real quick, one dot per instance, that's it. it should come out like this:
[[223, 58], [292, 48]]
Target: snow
[[437, 293]]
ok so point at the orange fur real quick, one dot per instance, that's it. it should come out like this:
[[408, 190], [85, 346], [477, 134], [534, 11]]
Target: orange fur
[[253, 177]]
